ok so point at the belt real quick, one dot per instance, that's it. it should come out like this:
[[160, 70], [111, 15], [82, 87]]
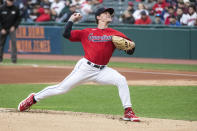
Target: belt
[[95, 65]]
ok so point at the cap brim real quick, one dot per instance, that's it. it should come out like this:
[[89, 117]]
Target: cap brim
[[110, 10]]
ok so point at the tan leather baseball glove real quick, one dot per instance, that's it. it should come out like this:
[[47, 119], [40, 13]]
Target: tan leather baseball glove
[[122, 43]]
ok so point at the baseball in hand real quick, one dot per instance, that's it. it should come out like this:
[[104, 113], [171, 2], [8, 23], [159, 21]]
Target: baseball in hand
[[76, 17]]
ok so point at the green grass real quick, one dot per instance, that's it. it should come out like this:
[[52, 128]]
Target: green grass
[[39, 62], [155, 102], [181, 67], [155, 66]]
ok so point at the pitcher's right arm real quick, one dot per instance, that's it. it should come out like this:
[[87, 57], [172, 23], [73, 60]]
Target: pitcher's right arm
[[72, 35]]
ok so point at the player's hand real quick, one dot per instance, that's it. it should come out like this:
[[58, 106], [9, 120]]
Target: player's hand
[[75, 17], [3, 31]]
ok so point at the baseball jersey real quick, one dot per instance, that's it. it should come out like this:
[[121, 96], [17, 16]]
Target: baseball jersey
[[97, 43], [189, 19]]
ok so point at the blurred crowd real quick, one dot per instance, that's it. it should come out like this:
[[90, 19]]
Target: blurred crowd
[[160, 12], [54, 10]]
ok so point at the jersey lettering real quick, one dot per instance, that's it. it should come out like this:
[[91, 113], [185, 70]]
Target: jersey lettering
[[103, 38]]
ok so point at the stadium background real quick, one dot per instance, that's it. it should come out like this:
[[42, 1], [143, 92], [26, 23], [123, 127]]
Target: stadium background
[[151, 41]]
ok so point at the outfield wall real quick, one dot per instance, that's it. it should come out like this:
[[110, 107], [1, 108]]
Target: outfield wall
[[151, 41]]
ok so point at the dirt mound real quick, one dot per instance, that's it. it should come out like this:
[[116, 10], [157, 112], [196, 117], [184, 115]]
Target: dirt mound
[[11, 120]]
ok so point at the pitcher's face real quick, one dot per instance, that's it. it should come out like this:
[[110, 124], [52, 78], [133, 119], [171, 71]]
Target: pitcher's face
[[105, 17]]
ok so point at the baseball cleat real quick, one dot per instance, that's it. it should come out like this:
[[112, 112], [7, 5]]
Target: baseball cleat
[[26, 103], [129, 115]]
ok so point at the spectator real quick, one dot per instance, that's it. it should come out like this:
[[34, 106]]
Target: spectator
[[157, 20], [186, 5], [86, 9], [149, 5], [127, 16], [9, 20], [65, 10], [137, 13], [67, 15], [130, 7], [25, 10], [159, 6], [78, 4], [144, 20], [22, 8], [56, 8], [173, 21], [179, 14], [171, 11], [44, 14], [183, 7], [33, 12], [190, 18]]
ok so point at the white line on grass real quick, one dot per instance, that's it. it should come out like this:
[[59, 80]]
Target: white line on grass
[[141, 72], [160, 73]]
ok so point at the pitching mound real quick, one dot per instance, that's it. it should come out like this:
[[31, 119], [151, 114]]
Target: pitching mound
[[38, 120]]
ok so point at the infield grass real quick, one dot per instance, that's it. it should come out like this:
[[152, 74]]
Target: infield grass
[[180, 67], [148, 101]]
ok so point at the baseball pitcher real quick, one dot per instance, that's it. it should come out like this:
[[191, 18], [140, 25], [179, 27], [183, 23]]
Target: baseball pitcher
[[98, 44]]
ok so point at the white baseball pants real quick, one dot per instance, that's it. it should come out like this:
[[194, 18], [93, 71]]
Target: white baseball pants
[[85, 73]]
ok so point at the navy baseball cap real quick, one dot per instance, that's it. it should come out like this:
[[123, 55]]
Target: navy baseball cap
[[101, 10], [143, 12]]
